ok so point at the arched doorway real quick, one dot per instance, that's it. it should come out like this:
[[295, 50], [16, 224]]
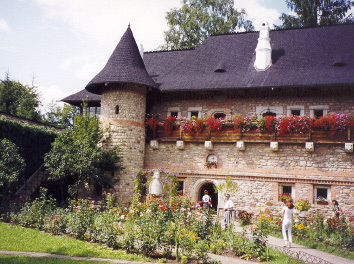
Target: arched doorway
[[209, 186]]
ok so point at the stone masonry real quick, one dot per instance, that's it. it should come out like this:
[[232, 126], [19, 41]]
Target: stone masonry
[[127, 131]]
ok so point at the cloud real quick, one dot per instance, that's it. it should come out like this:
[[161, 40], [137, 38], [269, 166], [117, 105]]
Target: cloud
[[4, 26], [258, 13], [50, 94], [106, 20]]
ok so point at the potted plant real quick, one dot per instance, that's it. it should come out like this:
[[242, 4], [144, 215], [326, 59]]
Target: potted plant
[[302, 206], [321, 200], [284, 196], [210, 164]]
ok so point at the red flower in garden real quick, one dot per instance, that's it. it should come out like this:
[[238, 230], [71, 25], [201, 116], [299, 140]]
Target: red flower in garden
[[162, 207]]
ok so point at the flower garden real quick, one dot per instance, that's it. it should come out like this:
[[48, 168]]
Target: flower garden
[[171, 227]]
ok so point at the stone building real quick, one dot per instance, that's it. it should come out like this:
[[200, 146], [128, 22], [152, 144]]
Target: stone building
[[289, 72]]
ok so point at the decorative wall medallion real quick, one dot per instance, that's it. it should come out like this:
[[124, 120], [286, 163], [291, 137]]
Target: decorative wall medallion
[[310, 147], [208, 145], [212, 158], [240, 145], [154, 144], [274, 146], [180, 144], [348, 147]]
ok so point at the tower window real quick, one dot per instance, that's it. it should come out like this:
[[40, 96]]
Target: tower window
[[117, 109]]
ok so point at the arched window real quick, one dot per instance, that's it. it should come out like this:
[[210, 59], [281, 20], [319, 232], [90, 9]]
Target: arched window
[[117, 109], [219, 115]]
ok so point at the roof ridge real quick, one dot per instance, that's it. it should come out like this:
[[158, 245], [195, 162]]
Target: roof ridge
[[286, 29], [157, 51]]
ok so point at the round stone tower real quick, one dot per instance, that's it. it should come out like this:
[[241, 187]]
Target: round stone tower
[[123, 84]]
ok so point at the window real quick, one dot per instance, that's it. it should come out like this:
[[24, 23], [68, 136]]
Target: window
[[174, 111], [318, 110], [318, 113], [194, 111], [287, 188], [174, 114], [219, 115], [322, 194], [298, 110], [117, 109], [262, 111]]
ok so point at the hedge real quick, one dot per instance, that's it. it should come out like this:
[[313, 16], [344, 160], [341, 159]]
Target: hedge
[[33, 142]]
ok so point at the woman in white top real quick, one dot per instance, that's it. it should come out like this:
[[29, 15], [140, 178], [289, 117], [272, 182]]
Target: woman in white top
[[228, 208], [206, 200], [287, 222]]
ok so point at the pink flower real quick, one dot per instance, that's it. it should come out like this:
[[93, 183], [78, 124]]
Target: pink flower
[[120, 226], [197, 205], [20, 197], [51, 218], [183, 209]]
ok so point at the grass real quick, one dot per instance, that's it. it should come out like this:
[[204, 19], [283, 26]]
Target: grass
[[35, 260], [17, 238], [277, 257], [320, 246]]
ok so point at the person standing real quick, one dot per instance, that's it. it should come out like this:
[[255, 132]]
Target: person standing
[[228, 208], [336, 210], [206, 199], [287, 222]]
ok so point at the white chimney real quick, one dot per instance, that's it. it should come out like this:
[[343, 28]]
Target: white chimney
[[142, 51], [263, 49]]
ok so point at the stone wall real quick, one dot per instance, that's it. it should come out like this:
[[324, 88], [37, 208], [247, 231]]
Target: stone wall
[[245, 102], [127, 131], [256, 156], [259, 171]]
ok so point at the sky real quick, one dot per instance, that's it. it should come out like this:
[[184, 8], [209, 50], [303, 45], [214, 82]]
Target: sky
[[60, 45]]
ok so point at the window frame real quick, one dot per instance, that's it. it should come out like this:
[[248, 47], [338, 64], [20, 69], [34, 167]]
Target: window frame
[[174, 109], [295, 107], [292, 185], [316, 187], [318, 107], [194, 109]]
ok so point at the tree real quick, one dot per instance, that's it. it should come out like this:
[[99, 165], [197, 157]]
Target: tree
[[62, 117], [76, 154], [311, 13], [11, 166], [19, 100], [196, 20]]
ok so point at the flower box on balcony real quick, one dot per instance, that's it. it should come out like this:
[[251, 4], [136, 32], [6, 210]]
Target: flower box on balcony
[[227, 134], [203, 136], [163, 134], [329, 136], [324, 203]]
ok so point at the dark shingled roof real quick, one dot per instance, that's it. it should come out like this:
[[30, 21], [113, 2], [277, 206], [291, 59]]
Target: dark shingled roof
[[301, 57], [124, 66], [76, 98]]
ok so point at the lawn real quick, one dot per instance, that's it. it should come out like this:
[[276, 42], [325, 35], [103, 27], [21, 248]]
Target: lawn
[[30, 260], [17, 238]]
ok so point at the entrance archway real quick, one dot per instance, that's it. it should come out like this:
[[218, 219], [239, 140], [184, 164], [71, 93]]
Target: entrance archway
[[209, 186]]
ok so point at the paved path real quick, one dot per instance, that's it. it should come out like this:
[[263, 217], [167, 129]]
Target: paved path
[[223, 259], [304, 252]]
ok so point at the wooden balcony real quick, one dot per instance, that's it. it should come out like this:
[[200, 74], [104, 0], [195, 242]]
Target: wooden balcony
[[229, 135]]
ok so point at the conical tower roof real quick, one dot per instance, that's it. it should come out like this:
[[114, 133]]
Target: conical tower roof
[[124, 66]]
